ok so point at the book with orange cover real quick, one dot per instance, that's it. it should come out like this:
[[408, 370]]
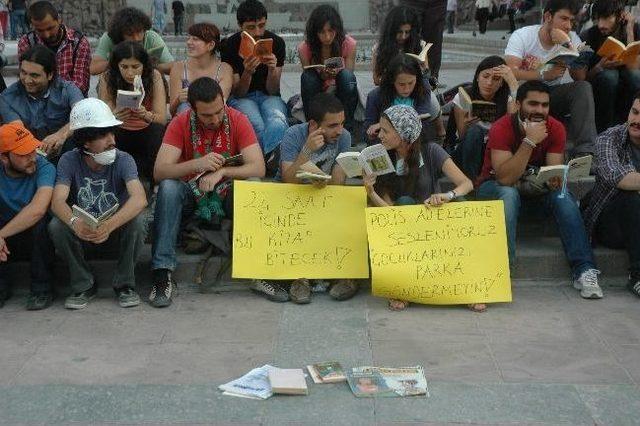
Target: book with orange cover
[[250, 47], [615, 50]]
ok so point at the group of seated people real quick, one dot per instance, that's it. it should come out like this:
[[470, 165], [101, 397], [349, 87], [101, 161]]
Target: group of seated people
[[59, 149]]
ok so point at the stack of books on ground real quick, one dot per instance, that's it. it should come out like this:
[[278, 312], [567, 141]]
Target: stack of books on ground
[[265, 381], [387, 382]]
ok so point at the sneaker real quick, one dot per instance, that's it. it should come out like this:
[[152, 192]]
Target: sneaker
[[634, 284], [587, 283], [343, 289], [127, 297], [162, 292], [300, 291], [39, 301], [270, 290], [80, 300]]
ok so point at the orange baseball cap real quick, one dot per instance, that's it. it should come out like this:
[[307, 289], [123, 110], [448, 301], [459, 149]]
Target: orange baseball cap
[[16, 138]]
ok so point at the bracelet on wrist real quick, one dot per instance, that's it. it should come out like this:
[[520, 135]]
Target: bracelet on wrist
[[306, 151], [72, 220], [529, 142]]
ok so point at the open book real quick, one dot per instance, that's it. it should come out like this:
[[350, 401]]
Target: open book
[[131, 98], [334, 63], [562, 55], [422, 56], [578, 168], [615, 50], [484, 110], [250, 47], [373, 160], [312, 172], [92, 221]]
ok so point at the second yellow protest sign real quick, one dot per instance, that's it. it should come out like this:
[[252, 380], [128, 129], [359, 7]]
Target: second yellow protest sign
[[453, 254], [287, 231]]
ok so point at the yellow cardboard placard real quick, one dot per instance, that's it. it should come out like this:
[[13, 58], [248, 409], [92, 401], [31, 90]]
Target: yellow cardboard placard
[[288, 231], [447, 255]]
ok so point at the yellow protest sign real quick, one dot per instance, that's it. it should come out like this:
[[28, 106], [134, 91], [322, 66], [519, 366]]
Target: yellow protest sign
[[447, 255], [287, 231]]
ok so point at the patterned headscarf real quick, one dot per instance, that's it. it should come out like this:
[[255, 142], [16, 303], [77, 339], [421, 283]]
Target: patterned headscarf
[[405, 121]]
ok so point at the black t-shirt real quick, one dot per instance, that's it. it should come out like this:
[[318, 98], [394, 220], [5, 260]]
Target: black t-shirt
[[635, 156], [594, 39], [259, 80], [178, 7], [18, 5]]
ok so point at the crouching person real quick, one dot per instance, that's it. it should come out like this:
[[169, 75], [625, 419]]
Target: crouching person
[[98, 178], [196, 145], [26, 185]]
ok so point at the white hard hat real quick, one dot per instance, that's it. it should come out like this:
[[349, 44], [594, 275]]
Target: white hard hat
[[92, 112]]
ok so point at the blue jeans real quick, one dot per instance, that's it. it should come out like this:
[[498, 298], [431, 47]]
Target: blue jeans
[[613, 92], [268, 116], [17, 18], [35, 245], [469, 153], [346, 90], [566, 214]]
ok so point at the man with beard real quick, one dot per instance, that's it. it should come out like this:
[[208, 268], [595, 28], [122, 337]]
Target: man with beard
[[40, 100], [613, 212], [195, 178], [614, 83], [26, 182], [315, 143], [526, 51], [71, 47], [530, 139], [256, 81]]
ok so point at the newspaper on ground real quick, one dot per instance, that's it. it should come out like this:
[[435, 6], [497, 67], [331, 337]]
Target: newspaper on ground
[[387, 382], [253, 385]]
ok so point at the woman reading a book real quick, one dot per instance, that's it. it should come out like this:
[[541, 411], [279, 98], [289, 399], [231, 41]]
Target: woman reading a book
[[203, 44], [494, 86], [400, 33], [418, 168], [402, 84], [328, 58], [143, 128]]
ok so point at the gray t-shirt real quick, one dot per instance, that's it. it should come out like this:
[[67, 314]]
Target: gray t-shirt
[[96, 192], [296, 136], [430, 170]]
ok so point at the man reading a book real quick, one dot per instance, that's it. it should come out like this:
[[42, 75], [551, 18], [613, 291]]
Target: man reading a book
[[194, 176], [313, 146], [26, 185], [519, 144], [612, 214], [614, 82], [530, 46], [102, 183], [256, 80]]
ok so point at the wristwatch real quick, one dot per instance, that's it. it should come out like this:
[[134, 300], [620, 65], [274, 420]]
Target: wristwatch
[[306, 151], [529, 142], [452, 195]]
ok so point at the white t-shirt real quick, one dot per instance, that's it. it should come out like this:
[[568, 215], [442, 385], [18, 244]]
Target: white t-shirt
[[525, 44]]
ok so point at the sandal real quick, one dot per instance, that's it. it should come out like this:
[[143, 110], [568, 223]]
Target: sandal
[[477, 307], [398, 305]]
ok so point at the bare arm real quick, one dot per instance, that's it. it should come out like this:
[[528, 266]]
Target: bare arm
[[165, 68], [30, 214], [338, 176], [175, 87], [630, 182], [350, 62], [273, 81], [226, 80], [59, 205], [253, 164], [510, 167], [461, 181], [98, 65], [168, 166], [159, 107]]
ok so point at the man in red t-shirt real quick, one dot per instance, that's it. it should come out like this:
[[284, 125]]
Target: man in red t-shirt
[[530, 139], [195, 170]]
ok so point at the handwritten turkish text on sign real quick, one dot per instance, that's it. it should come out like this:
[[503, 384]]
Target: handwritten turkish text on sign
[[453, 254], [287, 231]]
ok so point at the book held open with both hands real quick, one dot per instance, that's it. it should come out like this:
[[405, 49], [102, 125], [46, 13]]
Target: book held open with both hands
[[578, 168], [334, 63], [373, 160], [92, 221], [131, 98], [615, 50], [486, 111], [250, 47]]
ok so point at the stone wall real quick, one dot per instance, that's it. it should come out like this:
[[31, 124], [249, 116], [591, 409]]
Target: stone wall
[[90, 16]]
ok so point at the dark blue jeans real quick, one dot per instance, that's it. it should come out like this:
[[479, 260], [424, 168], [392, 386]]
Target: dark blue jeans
[[613, 92], [469, 153], [565, 212], [346, 90], [35, 245]]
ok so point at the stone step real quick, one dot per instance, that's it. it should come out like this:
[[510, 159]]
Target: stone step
[[539, 259]]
